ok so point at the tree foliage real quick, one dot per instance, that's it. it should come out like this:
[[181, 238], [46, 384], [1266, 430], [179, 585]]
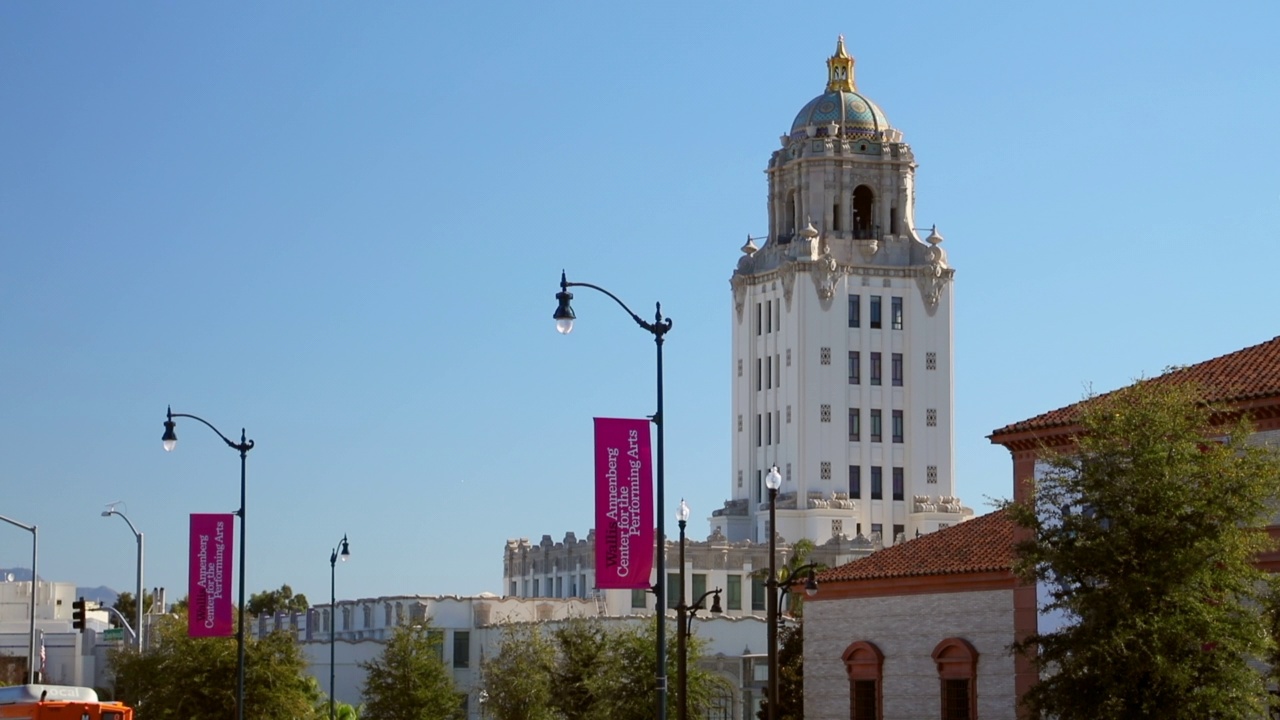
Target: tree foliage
[[270, 602], [790, 675], [127, 606], [585, 669], [184, 678], [409, 680], [1143, 539]]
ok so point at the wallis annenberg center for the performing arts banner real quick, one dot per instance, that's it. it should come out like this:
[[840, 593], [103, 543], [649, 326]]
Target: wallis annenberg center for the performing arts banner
[[209, 581], [624, 504]]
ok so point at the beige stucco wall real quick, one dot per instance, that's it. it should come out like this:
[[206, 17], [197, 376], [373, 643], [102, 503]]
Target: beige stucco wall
[[907, 629]]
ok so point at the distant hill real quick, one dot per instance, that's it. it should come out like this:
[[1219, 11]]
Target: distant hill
[[102, 594]]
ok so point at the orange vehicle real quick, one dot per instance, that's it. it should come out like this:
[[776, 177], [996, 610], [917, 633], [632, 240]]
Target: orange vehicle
[[58, 702]]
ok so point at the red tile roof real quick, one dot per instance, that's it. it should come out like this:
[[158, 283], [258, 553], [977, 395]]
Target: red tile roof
[[1249, 374], [983, 544]]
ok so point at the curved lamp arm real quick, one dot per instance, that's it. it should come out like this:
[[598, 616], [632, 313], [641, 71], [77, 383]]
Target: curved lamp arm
[[170, 438], [658, 327]]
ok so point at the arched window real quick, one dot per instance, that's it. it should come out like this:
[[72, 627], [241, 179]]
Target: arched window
[[957, 663], [864, 663], [864, 201]]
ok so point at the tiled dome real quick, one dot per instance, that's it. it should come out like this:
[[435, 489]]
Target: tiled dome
[[852, 111]]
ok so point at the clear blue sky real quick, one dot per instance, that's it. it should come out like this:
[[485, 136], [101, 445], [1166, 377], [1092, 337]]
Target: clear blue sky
[[341, 226]]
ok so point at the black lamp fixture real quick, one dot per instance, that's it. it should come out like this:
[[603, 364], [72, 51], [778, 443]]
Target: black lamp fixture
[[334, 557]]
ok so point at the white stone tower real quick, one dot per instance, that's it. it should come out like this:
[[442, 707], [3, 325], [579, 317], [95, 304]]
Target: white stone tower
[[842, 338]]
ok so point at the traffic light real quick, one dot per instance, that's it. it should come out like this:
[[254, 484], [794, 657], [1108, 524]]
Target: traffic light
[[77, 614]]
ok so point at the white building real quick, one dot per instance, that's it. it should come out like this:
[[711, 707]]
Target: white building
[[842, 338], [842, 367], [70, 657], [471, 628]]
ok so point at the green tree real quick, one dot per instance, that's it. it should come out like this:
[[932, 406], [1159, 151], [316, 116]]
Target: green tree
[[184, 678], [518, 679], [127, 606], [409, 680], [1144, 538], [270, 602], [585, 670]]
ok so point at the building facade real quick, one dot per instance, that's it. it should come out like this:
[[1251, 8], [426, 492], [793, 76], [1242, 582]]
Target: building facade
[[842, 366], [842, 363]]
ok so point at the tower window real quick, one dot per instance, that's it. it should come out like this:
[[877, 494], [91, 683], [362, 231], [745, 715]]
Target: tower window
[[875, 368], [835, 217], [898, 483], [768, 316], [855, 482], [877, 485], [768, 372], [855, 311], [893, 221], [758, 427], [855, 367], [759, 320], [863, 213], [895, 312], [855, 424], [876, 426], [896, 369], [897, 426], [777, 370], [875, 312], [759, 374]]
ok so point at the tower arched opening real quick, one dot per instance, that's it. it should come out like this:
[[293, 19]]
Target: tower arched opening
[[864, 202]]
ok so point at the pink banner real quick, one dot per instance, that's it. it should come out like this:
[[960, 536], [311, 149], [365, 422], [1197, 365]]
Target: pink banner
[[624, 504], [209, 585]]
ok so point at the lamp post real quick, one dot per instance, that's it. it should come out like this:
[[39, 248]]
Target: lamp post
[[682, 650], [35, 580], [140, 602], [773, 480], [684, 621], [334, 556], [170, 440], [564, 317]]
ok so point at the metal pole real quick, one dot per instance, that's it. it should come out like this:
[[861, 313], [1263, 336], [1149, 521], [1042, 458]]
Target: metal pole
[[682, 647], [244, 451], [333, 601], [141, 598], [772, 613], [660, 586], [35, 587]]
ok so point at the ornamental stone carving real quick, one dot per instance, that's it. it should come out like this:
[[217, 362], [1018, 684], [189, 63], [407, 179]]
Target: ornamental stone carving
[[825, 273]]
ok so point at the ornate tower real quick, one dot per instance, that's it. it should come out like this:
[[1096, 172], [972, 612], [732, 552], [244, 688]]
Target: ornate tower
[[842, 338]]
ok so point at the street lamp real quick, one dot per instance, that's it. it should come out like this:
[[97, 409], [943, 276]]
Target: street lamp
[[35, 579], [334, 556], [564, 317], [773, 481], [170, 440], [108, 513], [684, 621]]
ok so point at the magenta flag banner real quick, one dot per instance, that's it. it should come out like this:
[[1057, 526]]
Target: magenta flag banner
[[209, 584], [624, 504]]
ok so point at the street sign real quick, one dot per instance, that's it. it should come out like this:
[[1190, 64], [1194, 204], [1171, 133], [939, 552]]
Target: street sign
[[113, 635]]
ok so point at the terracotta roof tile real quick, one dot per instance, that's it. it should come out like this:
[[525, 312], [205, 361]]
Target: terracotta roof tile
[[1247, 374], [983, 544]]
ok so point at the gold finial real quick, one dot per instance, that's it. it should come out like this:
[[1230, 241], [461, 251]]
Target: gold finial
[[840, 70]]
